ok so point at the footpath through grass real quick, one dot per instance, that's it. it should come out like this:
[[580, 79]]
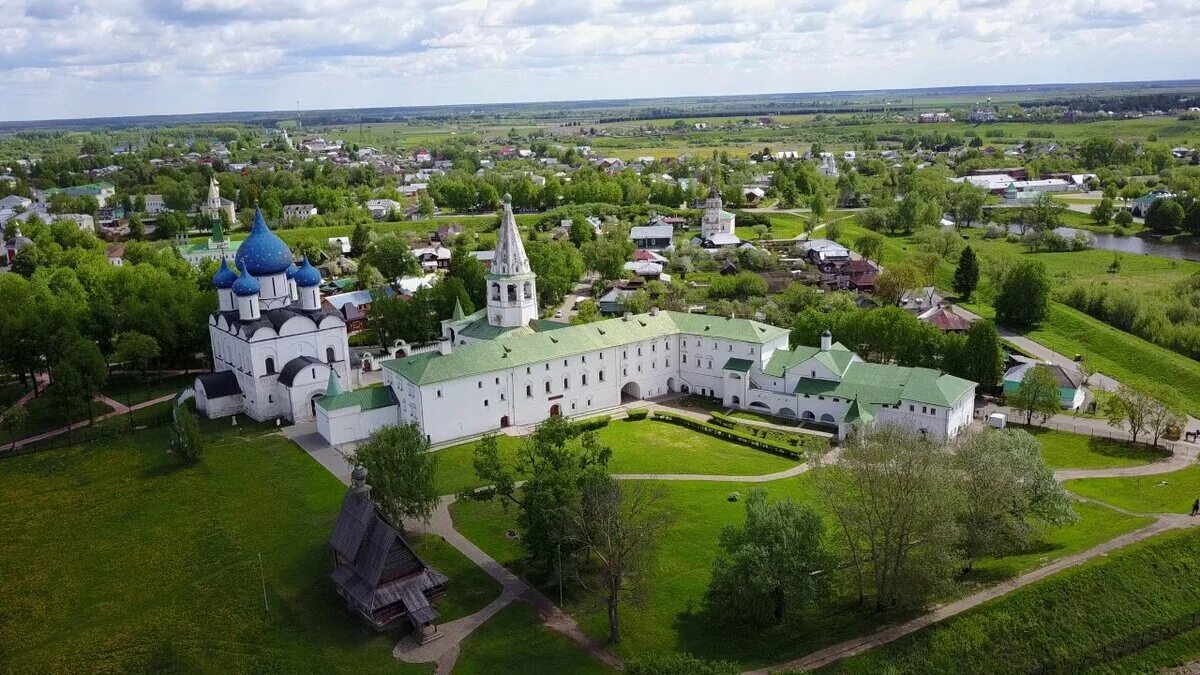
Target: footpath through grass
[[115, 559], [1079, 619], [675, 619], [1159, 493], [516, 640], [1063, 450], [645, 446]]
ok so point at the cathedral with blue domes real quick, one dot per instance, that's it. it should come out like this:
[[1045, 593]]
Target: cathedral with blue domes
[[275, 349]]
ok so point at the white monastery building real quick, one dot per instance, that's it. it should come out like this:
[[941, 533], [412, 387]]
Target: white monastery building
[[503, 366]]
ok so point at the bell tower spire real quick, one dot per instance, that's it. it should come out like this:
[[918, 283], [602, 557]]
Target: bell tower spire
[[512, 285]]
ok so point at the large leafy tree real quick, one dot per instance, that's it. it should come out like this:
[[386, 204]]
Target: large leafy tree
[[983, 355], [401, 472], [391, 256], [1024, 295], [1009, 492], [544, 481], [769, 568], [1037, 394]]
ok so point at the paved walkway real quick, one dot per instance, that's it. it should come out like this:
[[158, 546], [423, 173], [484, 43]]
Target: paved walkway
[[83, 423]]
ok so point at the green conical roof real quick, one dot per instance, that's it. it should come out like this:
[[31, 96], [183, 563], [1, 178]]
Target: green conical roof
[[333, 387], [458, 311], [858, 413]]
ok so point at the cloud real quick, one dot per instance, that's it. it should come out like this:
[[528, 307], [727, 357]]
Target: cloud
[[76, 58]]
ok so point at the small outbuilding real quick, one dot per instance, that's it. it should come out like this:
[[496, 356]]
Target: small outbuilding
[[1070, 381]]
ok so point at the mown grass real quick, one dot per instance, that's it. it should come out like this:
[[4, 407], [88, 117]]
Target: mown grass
[[645, 446], [115, 559], [516, 640], [1063, 450], [129, 389], [674, 618], [1075, 620], [1159, 493]]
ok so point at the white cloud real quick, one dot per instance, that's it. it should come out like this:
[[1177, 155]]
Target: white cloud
[[81, 58]]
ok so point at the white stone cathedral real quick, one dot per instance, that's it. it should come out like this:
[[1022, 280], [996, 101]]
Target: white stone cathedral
[[275, 349]]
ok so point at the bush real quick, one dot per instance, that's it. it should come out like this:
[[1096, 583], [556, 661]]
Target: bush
[[678, 664], [637, 414], [592, 423], [994, 232]]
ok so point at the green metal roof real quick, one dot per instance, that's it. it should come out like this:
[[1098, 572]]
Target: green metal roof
[[859, 413], [370, 398], [739, 365], [203, 246], [874, 383], [536, 347], [837, 359]]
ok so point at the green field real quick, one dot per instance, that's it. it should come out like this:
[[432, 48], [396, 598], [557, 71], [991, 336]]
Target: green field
[[115, 559], [1063, 450], [1076, 620], [516, 641], [646, 446], [674, 618], [1159, 493]]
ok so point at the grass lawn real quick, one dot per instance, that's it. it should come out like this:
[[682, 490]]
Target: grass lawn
[[11, 391], [516, 641], [1120, 355], [45, 415], [116, 559], [1161, 493], [675, 620], [1070, 622], [128, 388], [1156, 658], [646, 446], [1063, 450]]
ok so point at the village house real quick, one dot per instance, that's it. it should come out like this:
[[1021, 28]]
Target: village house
[[299, 211]]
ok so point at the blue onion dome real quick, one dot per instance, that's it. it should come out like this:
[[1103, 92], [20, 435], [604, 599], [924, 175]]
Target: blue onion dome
[[263, 252], [245, 284], [224, 277], [291, 271], [308, 276]]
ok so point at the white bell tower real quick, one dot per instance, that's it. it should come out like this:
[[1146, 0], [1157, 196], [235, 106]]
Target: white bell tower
[[512, 285]]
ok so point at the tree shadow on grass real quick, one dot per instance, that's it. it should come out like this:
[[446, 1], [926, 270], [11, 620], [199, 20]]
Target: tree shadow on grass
[[1119, 449]]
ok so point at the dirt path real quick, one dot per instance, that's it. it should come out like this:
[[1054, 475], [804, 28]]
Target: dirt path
[[84, 423]]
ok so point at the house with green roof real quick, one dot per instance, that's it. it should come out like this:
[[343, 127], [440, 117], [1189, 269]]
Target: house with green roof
[[503, 366]]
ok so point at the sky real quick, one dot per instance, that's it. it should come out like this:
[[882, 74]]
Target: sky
[[90, 58]]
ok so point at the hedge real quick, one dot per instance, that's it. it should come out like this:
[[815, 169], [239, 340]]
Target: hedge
[[782, 437], [591, 423], [732, 435], [636, 414]]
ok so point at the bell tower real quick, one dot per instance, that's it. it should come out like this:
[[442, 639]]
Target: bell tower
[[512, 285]]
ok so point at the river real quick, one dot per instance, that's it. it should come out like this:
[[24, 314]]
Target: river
[[1132, 244]]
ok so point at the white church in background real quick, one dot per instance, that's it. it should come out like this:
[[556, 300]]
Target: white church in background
[[503, 366], [275, 350], [717, 225]]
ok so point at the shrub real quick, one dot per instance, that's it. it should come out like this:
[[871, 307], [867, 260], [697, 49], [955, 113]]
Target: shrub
[[737, 435], [994, 232], [637, 414], [591, 423]]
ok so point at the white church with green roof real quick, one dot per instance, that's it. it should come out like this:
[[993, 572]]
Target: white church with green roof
[[503, 366]]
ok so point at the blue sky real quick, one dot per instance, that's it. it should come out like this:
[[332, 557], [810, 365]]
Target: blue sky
[[85, 58]]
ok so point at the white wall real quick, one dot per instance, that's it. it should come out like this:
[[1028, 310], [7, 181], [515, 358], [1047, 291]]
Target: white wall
[[346, 425]]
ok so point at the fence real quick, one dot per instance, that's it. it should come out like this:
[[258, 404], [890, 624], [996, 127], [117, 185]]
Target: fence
[[1129, 645], [1091, 430], [118, 425]]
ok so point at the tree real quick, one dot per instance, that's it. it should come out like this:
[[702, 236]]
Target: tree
[[14, 419], [966, 276], [79, 375], [1130, 408], [870, 246], [770, 567], [1163, 416], [425, 206], [966, 204], [1037, 394], [897, 281], [137, 350], [587, 312], [983, 355], [833, 231], [468, 269], [545, 482], [401, 472], [1164, 215], [617, 529], [391, 256], [360, 239], [895, 500], [137, 231], [606, 256], [1102, 213], [1008, 491], [187, 444], [1024, 295]]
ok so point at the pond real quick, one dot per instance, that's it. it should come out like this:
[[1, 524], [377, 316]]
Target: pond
[[1134, 245]]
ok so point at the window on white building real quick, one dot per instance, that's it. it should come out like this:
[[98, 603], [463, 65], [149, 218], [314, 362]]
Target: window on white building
[[439, 393], [547, 386], [601, 376], [529, 390], [485, 403], [566, 383], [479, 385], [585, 379]]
